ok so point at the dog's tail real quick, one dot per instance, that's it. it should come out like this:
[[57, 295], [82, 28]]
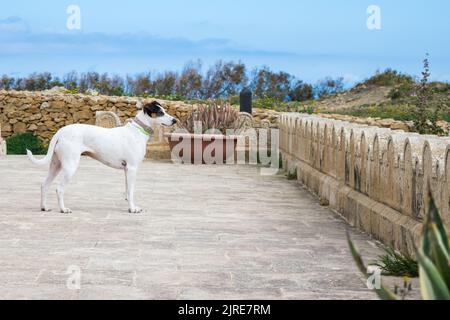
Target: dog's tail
[[51, 149]]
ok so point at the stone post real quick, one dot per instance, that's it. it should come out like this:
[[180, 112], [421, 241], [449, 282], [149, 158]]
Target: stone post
[[245, 100]]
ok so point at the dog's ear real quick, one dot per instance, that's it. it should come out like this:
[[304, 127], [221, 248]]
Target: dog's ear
[[152, 109]]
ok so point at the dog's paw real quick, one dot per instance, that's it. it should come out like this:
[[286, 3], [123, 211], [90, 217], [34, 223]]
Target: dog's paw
[[45, 210], [135, 210], [66, 211]]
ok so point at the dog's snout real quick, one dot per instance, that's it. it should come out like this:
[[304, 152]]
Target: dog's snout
[[174, 121]]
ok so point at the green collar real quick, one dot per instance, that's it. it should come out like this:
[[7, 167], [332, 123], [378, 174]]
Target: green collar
[[142, 127]]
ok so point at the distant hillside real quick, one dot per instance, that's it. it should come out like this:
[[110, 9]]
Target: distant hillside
[[385, 95], [354, 98]]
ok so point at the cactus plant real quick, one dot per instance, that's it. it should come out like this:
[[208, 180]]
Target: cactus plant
[[433, 256], [212, 115]]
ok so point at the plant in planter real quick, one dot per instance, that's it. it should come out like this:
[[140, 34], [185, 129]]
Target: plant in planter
[[205, 136], [213, 117]]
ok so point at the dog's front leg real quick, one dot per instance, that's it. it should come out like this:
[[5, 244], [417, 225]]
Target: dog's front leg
[[131, 181], [126, 184]]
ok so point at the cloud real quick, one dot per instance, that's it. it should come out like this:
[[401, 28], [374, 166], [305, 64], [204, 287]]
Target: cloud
[[12, 26], [23, 51], [98, 43], [351, 78], [16, 39]]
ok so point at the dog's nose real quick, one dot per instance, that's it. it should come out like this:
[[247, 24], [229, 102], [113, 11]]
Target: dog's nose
[[174, 121]]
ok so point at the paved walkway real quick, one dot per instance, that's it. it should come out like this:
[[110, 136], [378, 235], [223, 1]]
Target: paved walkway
[[210, 232]]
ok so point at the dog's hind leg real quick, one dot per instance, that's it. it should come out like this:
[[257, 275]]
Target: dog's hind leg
[[68, 171], [55, 168]]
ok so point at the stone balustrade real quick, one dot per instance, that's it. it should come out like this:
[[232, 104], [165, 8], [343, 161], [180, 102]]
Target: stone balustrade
[[378, 179], [2, 143]]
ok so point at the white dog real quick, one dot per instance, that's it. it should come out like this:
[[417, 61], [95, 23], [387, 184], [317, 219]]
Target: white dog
[[119, 148]]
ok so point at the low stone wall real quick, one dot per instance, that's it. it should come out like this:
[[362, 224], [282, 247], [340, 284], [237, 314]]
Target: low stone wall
[[406, 126], [43, 113], [374, 122], [378, 179]]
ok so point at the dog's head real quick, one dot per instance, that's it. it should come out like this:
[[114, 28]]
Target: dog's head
[[157, 115]]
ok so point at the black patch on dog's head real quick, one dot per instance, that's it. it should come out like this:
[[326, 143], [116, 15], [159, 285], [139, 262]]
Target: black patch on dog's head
[[154, 110]]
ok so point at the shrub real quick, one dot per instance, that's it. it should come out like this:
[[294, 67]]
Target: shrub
[[403, 90], [397, 264], [293, 175], [19, 143], [234, 100], [73, 91], [266, 102], [308, 110], [401, 112], [427, 111], [440, 87], [389, 77]]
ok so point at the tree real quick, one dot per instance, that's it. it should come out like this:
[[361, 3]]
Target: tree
[[301, 91], [267, 83], [7, 83], [329, 86], [221, 80], [110, 85], [164, 84], [189, 84], [139, 85], [70, 80], [90, 81], [35, 82], [224, 80]]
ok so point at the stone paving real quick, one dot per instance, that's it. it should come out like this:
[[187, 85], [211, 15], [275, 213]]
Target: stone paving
[[209, 232]]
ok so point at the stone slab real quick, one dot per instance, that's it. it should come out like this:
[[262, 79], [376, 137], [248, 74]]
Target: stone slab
[[209, 232]]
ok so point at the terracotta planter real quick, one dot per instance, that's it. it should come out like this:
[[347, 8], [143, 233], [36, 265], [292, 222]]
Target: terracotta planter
[[202, 148]]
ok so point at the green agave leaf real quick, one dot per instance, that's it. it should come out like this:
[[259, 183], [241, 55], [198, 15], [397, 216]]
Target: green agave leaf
[[426, 238], [385, 294], [435, 217], [439, 255], [356, 256], [432, 284]]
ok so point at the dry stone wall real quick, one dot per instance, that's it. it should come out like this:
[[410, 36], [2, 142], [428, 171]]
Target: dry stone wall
[[407, 126], [43, 113], [377, 178]]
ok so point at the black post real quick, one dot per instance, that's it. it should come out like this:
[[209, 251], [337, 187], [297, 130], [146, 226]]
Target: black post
[[245, 100]]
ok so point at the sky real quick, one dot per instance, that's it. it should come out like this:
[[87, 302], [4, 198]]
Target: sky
[[308, 38]]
